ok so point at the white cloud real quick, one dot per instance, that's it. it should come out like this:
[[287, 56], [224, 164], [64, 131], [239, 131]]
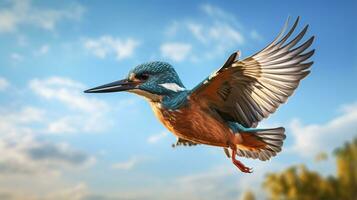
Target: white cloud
[[216, 12], [42, 50], [58, 191], [21, 152], [172, 29], [205, 184], [127, 165], [225, 33], [315, 138], [255, 35], [78, 123], [197, 31], [107, 45], [68, 92], [221, 181], [214, 35], [87, 113], [76, 192], [223, 30], [21, 12], [155, 138], [16, 57], [222, 33], [63, 125], [3, 84], [25, 115], [32, 165], [175, 51]]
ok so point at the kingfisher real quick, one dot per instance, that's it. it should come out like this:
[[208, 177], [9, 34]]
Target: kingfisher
[[225, 108]]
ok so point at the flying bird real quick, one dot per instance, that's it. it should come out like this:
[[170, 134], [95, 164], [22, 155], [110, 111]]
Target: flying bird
[[225, 108]]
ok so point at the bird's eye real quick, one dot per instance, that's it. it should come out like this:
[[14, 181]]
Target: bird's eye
[[142, 77]]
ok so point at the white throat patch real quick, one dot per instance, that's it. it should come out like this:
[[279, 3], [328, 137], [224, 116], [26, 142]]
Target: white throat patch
[[147, 95], [172, 86]]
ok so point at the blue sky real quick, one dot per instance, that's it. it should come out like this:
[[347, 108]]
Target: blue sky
[[58, 143]]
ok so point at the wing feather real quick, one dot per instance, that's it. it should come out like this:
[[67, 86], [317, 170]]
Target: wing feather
[[249, 90]]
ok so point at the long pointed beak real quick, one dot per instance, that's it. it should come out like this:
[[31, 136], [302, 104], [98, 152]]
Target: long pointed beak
[[117, 86]]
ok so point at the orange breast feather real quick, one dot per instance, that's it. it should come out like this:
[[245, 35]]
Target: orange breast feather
[[194, 122]]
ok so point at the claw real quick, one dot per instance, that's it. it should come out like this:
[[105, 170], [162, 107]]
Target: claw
[[239, 164]]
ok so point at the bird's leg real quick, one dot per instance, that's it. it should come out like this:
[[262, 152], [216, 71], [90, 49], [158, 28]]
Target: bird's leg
[[239, 164]]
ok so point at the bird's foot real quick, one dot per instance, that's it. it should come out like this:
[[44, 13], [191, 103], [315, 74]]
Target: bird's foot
[[242, 167], [239, 164]]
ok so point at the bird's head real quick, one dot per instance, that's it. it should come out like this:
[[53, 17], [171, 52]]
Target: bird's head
[[153, 80]]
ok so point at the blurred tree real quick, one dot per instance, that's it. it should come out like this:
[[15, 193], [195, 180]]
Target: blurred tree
[[346, 158], [248, 195], [297, 182], [322, 156]]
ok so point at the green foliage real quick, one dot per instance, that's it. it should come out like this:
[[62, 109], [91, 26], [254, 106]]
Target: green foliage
[[297, 182]]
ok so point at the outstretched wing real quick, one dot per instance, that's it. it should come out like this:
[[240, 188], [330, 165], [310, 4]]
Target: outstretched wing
[[249, 90]]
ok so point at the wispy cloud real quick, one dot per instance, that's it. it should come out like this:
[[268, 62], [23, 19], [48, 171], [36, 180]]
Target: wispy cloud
[[217, 32], [67, 91], [42, 50], [127, 165], [16, 57], [108, 45], [27, 114], [22, 12], [175, 51], [313, 138], [87, 113], [225, 29], [213, 35], [155, 138], [3, 84], [216, 12], [255, 35]]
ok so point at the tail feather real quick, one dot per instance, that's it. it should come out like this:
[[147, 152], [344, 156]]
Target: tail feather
[[261, 143]]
